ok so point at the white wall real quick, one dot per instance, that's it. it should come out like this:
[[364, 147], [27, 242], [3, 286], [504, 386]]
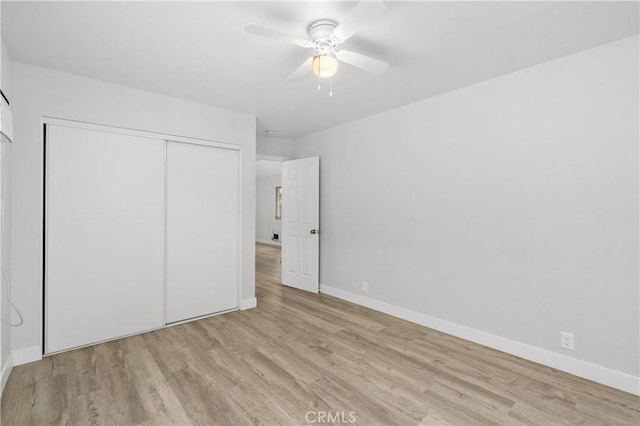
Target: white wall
[[42, 92], [5, 232], [510, 206], [274, 145], [266, 206], [5, 69], [7, 314]]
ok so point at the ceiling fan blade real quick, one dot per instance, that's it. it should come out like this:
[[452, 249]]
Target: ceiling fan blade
[[277, 35], [364, 62], [359, 17], [302, 71]]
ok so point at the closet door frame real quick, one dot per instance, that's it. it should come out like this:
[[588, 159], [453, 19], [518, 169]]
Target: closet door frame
[[162, 138]]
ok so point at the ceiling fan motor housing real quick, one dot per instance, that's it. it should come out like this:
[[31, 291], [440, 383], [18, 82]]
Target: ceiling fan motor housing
[[320, 31]]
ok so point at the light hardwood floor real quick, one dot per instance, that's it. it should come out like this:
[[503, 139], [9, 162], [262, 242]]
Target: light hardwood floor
[[297, 353]]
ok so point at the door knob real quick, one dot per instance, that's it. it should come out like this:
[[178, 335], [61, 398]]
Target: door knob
[[315, 231]]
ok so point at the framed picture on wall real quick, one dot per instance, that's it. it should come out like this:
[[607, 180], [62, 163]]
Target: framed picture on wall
[[278, 202]]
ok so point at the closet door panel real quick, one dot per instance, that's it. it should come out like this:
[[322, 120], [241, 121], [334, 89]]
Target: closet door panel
[[104, 236], [202, 230]]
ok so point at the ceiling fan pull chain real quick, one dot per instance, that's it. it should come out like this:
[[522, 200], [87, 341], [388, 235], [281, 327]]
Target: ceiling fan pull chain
[[331, 86]]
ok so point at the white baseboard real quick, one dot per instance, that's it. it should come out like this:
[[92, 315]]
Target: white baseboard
[[26, 355], [270, 242], [6, 371], [587, 370], [248, 303]]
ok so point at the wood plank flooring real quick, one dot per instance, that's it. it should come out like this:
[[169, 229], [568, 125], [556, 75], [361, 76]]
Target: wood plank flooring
[[299, 353]]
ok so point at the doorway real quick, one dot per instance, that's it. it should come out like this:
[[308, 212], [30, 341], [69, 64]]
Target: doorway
[[287, 216], [269, 199]]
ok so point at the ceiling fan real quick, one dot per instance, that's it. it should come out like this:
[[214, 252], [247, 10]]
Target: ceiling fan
[[324, 36]]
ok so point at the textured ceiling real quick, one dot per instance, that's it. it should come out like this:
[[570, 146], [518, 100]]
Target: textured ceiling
[[199, 51]]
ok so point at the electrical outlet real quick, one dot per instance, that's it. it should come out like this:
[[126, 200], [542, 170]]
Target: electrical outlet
[[365, 286], [566, 340]]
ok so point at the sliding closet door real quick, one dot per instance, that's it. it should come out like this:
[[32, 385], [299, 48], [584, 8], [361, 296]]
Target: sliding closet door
[[104, 236], [202, 230]]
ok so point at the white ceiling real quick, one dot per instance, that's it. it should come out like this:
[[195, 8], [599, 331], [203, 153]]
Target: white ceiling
[[199, 51]]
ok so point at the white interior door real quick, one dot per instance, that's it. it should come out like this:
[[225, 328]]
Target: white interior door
[[202, 230], [300, 223], [104, 236]]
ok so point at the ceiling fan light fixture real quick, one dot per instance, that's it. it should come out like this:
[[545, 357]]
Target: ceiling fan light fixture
[[325, 65]]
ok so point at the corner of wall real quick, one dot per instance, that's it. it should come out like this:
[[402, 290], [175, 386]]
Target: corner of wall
[[6, 372], [249, 303]]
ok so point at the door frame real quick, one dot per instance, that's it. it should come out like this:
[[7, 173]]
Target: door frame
[[271, 158]]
